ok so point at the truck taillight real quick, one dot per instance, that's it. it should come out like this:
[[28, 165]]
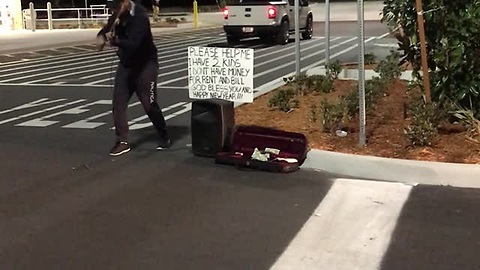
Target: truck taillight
[[225, 13], [272, 12]]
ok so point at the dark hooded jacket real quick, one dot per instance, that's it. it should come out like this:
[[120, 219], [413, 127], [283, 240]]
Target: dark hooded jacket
[[134, 38]]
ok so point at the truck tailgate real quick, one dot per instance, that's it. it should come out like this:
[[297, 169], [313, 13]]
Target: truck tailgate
[[249, 13]]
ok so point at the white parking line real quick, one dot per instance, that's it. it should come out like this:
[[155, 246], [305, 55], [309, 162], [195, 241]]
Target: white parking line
[[64, 84], [185, 37], [350, 229], [87, 124], [41, 111], [76, 61], [271, 60], [161, 74], [93, 54]]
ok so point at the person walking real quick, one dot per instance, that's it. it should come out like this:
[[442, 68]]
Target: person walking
[[129, 30]]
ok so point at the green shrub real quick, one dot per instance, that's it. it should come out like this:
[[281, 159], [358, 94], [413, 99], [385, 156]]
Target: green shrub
[[313, 113], [369, 58], [283, 99], [389, 69], [374, 89], [333, 69], [332, 114], [321, 83], [467, 118], [307, 84], [422, 131]]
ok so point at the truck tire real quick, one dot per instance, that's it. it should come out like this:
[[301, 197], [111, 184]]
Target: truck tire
[[308, 33], [232, 39], [283, 35]]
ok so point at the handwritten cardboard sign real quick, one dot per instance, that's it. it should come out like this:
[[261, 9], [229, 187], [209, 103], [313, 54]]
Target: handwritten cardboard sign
[[220, 73]]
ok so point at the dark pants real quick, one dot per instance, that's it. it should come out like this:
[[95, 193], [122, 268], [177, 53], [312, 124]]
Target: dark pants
[[144, 83]]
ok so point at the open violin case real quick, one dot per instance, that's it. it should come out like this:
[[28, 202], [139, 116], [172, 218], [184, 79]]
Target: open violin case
[[264, 149]]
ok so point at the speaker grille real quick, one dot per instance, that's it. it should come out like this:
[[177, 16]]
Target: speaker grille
[[211, 123]]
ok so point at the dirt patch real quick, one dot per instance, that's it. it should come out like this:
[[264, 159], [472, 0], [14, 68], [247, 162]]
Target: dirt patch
[[385, 130]]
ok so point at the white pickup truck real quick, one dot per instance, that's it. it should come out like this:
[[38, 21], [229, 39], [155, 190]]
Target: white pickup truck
[[269, 20]]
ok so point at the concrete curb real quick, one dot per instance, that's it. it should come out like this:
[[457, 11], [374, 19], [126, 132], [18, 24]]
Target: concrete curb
[[395, 170]]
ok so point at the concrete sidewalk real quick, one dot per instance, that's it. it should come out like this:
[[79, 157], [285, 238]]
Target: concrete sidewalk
[[341, 11], [24, 40]]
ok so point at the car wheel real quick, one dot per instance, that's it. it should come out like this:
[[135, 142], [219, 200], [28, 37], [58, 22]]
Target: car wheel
[[284, 34], [308, 33]]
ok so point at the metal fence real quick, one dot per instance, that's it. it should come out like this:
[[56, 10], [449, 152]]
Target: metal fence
[[51, 18]]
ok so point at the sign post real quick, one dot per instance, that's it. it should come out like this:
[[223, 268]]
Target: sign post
[[297, 38], [220, 73], [327, 32], [361, 73]]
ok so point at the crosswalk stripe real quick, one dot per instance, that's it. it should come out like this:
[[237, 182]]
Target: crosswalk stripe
[[350, 229]]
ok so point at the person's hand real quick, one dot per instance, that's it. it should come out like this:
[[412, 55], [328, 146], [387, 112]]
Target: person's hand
[[100, 42], [112, 40]]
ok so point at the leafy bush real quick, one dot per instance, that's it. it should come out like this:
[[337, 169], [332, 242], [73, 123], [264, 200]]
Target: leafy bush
[[374, 89], [423, 129], [452, 30], [333, 69], [389, 69], [332, 114], [369, 58], [321, 83], [307, 84], [313, 113], [467, 118], [284, 99]]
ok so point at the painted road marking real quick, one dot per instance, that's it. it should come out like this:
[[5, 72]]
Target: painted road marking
[[183, 52], [48, 59], [39, 112], [135, 123], [87, 123], [55, 67], [40, 102], [273, 59], [350, 229], [42, 122]]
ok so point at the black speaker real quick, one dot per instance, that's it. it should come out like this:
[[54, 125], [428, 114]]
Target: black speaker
[[211, 126]]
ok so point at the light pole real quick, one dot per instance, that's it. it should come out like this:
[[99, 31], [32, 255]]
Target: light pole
[[327, 31]]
